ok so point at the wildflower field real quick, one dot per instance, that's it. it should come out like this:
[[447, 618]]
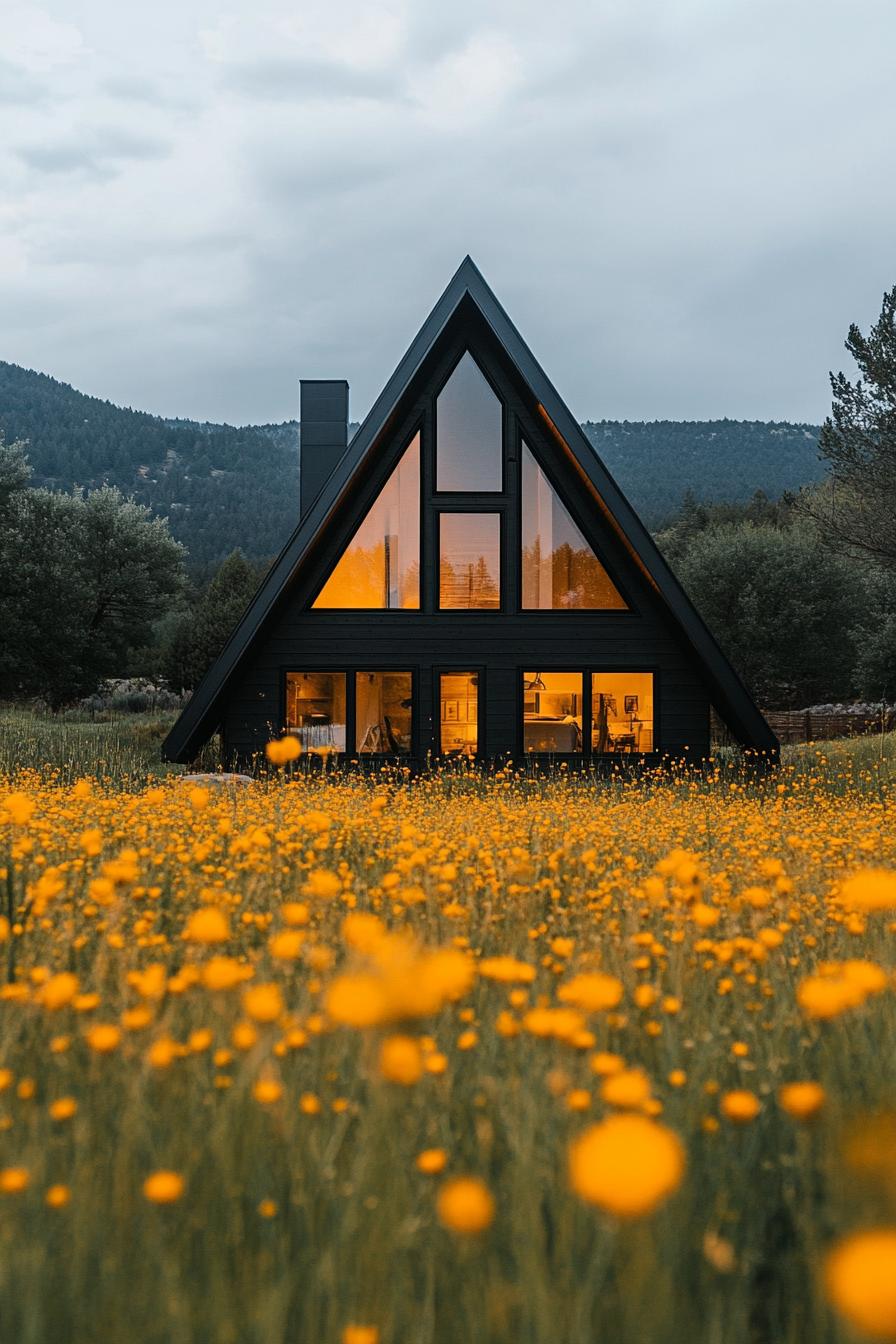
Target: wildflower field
[[454, 1058]]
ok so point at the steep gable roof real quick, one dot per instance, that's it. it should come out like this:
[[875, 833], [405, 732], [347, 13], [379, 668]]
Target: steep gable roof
[[202, 714]]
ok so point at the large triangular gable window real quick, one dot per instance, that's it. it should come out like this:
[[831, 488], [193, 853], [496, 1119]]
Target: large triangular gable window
[[560, 570], [380, 567]]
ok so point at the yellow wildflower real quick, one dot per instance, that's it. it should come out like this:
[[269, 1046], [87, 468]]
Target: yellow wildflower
[[626, 1164], [465, 1205]]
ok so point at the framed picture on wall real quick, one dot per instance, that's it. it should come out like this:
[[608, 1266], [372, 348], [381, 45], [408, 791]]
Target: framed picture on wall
[[452, 711], [631, 704]]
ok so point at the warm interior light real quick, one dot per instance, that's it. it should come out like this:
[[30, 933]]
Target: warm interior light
[[552, 711], [458, 713], [622, 712], [380, 567], [469, 561], [560, 569]]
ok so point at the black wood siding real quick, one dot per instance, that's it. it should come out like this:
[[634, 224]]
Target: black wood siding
[[504, 646]]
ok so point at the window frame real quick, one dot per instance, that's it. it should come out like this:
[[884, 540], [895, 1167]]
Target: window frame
[[351, 671], [473, 506], [373, 490], [587, 754], [523, 438], [447, 669], [546, 755], [436, 494], [326, 670]]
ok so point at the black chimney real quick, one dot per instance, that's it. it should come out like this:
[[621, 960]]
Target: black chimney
[[323, 434]]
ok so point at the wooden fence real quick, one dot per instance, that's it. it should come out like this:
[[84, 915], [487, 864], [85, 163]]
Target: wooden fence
[[800, 725]]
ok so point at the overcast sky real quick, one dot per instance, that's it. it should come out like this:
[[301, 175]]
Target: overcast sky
[[681, 203]]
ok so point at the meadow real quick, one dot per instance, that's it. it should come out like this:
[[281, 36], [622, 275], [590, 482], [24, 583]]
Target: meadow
[[454, 1058]]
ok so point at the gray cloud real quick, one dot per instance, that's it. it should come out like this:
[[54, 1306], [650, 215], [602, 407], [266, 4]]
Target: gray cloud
[[682, 204], [20, 86], [100, 154], [298, 80], [133, 89]]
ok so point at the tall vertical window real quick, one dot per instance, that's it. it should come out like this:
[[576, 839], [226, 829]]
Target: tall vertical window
[[383, 706], [552, 711], [315, 708], [468, 431], [622, 712], [380, 567], [459, 713], [560, 570], [470, 560]]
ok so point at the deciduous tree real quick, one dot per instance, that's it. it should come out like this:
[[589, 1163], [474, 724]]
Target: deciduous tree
[[783, 609], [82, 578]]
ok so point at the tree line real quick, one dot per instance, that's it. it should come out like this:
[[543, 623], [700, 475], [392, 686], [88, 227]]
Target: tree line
[[800, 591], [93, 587]]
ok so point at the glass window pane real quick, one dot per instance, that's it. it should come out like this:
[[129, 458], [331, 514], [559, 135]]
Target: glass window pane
[[622, 712], [468, 431], [560, 570], [552, 711], [470, 560], [383, 713], [381, 564], [459, 713], [315, 708]]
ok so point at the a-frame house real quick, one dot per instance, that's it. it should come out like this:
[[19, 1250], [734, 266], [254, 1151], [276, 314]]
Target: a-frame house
[[466, 579]]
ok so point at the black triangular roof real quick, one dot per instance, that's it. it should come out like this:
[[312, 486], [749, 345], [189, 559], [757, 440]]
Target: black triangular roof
[[730, 697]]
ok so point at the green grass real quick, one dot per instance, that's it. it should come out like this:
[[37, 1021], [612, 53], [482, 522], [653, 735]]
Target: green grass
[[124, 750]]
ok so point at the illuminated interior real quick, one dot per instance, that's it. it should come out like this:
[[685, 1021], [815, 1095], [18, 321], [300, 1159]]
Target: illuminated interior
[[380, 567], [459, 713], [468, 431], [622, 712], [315, 708], [470, 560], [560, 570], [552, 711], [383, 706]]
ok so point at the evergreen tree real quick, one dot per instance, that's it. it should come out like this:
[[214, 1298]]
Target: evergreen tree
[[876, 639], [205, 627], [14, 469], [857, 513]]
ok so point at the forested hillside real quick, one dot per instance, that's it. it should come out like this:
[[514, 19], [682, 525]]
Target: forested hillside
[[220, 487], [657, 463], [223, 487]]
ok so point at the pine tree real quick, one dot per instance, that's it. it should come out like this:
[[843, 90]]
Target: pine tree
[[856, 512], [202, 633]]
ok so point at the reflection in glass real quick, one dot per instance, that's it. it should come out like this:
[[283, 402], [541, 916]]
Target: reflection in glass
[[458, 713], [552, 711], [560, 570], [383, 713], [380, 567], [622, 712], [470, 560], [468, 431], [315, 708]]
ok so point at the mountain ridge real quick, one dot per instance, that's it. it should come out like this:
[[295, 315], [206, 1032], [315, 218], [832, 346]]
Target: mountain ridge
[[224, 486]]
